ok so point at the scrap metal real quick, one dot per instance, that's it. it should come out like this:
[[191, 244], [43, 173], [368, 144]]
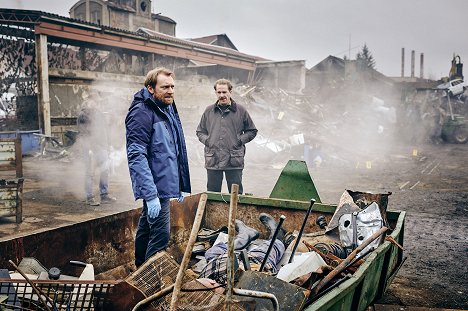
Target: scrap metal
[[348, 259]]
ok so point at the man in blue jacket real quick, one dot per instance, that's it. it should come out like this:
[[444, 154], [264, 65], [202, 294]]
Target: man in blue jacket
[[157, 160]]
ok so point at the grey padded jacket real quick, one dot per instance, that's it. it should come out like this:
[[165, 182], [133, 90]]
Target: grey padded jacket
[[224, 134]]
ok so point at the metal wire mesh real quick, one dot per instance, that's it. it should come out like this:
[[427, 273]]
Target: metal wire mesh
[[161, 271], [61, 295]]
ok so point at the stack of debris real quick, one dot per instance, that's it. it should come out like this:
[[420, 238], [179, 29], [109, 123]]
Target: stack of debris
[[323, 260], [293, 126]]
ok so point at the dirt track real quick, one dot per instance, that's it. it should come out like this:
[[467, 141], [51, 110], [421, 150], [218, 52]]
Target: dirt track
[[432, 186]]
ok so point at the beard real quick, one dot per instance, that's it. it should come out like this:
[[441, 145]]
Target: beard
[[167, 99]]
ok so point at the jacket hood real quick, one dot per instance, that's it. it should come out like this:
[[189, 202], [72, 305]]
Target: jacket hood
[[141, 96]]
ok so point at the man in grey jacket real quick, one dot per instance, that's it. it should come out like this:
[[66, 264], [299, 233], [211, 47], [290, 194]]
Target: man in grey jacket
[[225, 127]]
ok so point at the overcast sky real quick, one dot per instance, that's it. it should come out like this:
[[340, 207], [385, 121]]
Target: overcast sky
[[312, 30]]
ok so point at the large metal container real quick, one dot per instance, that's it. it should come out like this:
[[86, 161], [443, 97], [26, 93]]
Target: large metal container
[[107, 242]]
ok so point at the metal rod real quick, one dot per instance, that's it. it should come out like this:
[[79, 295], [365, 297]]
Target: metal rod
[[272, 242], [163, 292], [298, 239], [36, 290], [339, 282], [450, 106], [245, 259], [348, 259], [256, 294], [354, 224], [188, 250], [231, 236]]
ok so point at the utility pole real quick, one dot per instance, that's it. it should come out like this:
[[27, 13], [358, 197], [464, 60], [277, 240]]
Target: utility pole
[[349, 47]]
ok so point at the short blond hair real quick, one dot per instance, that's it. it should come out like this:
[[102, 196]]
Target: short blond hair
[[152, 76], [225, 82]]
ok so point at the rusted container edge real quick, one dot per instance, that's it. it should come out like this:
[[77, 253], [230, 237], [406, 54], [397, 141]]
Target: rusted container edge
[[286, 204], [105, 242]]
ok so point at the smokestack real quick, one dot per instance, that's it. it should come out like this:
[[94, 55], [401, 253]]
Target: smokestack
[[412, 64], [402, 62], [421, 66]]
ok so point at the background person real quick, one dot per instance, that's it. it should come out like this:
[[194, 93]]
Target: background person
[[157, 160], [225, 127], [92, 127]]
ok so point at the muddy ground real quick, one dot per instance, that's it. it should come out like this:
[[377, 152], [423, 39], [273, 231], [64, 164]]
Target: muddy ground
[[429, 182]]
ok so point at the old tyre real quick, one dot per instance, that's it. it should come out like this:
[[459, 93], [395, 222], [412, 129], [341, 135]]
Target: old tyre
[[460, 135]]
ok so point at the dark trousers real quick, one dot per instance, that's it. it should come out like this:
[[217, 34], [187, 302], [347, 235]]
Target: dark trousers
[[216, 256], [215, 179], [153, 233], [99, 161]]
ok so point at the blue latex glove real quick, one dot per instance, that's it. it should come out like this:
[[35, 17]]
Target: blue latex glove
[[154, 207], [180, 199]]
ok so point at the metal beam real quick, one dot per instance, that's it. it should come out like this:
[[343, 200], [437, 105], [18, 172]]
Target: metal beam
[[18, 17], [136, 43], [43, 83], [16, 32]]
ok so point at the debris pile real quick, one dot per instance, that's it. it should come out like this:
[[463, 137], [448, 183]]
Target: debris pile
[[293, 126], [428, 115]]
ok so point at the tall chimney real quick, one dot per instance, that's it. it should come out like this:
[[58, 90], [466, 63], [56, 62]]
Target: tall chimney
[[412, 64], [402, 62], [421, 66]]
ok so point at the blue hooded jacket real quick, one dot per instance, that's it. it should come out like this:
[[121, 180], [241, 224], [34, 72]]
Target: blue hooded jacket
[[156, 150]]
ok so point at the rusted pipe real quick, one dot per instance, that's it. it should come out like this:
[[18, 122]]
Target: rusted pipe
[[348, 259], [38, 292], [312, 201], [272, 242], [256, 294], [231, 236], [330, 256], [237, 291], [357, 259], [188, 250]]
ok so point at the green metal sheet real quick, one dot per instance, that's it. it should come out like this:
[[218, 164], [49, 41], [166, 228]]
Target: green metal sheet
[[273, 202], [295, 183], [371, 280]]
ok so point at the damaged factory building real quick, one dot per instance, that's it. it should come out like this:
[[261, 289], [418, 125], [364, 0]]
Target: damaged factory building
[[51, 63], [340, 113]]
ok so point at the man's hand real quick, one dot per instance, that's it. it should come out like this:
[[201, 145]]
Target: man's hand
[[180, 199], [154, 207]]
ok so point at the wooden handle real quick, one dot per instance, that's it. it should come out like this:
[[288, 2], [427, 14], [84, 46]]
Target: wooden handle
[[188, 250], [232, 234]]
